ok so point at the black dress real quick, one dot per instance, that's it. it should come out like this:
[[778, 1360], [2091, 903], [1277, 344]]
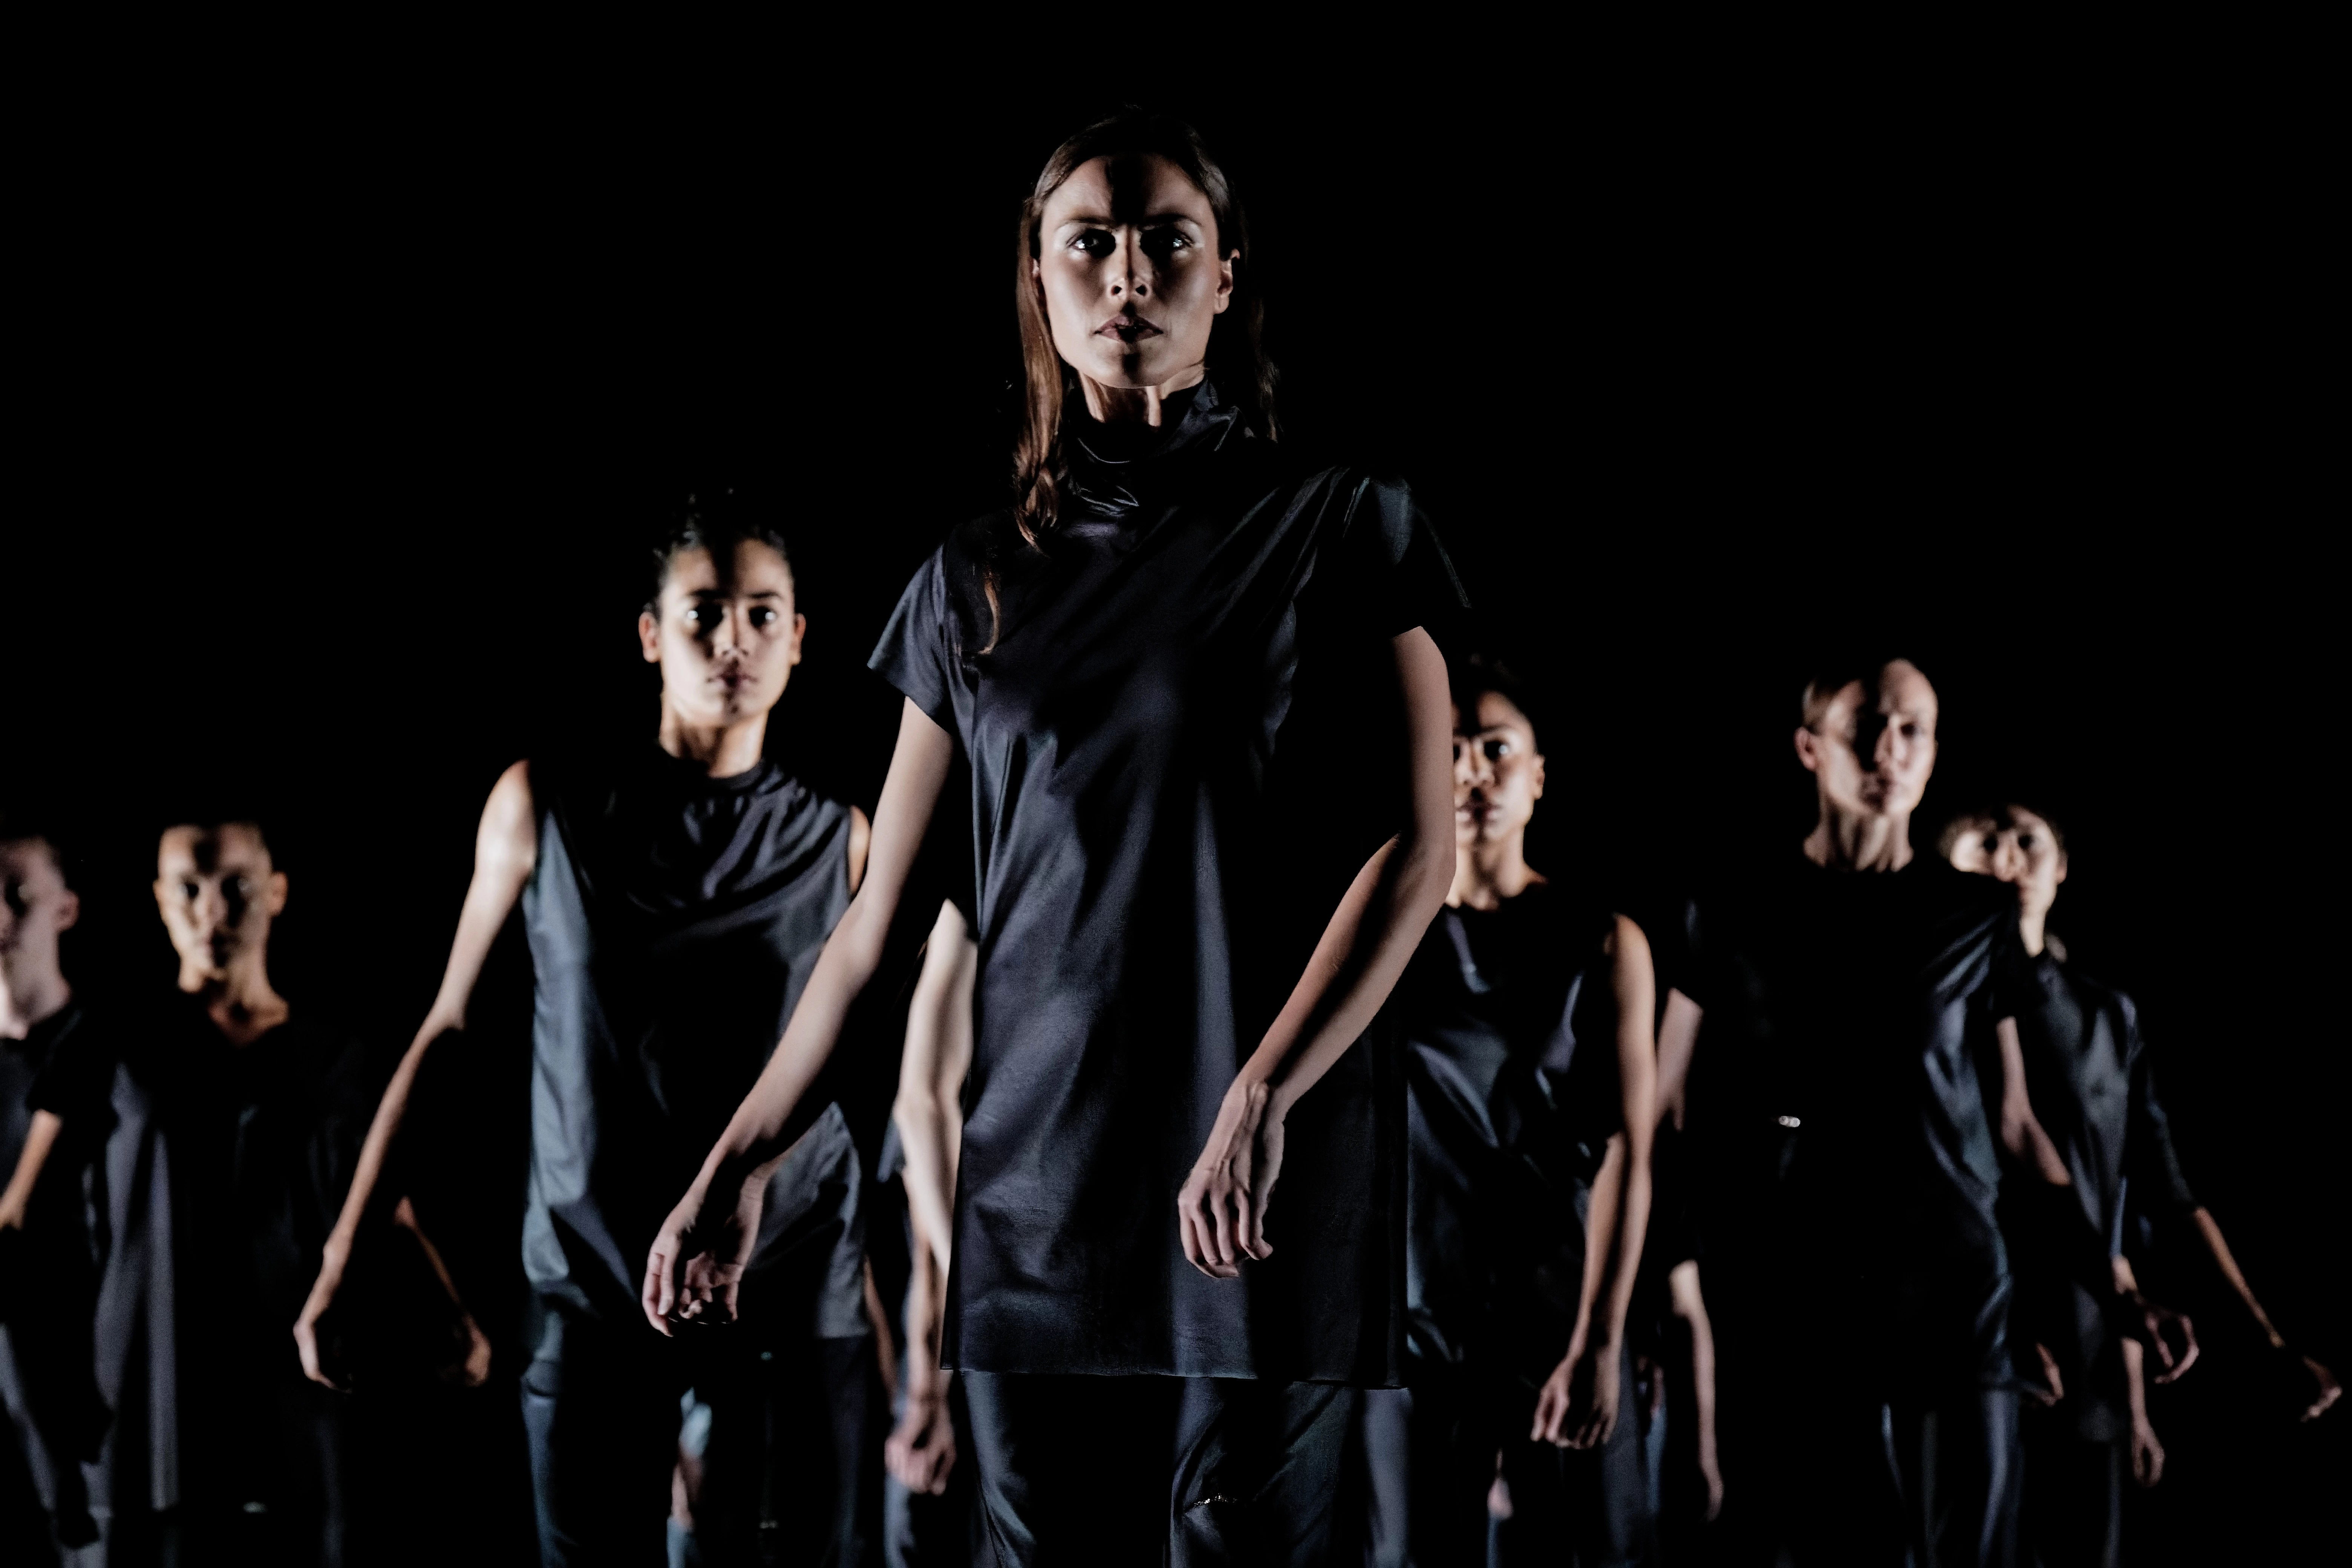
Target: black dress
[[1513, 1092], [1847, 1183], [2093, 1089], [672, 920], [1133, 702]]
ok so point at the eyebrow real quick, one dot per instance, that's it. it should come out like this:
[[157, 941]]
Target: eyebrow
[[723, 593], [1095, 220]]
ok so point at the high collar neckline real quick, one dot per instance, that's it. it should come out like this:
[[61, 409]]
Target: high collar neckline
[[1115, 469]]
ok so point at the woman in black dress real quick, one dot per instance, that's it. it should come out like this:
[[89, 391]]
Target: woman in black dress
[[1155, 663]]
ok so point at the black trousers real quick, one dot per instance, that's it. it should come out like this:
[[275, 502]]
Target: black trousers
[[1111, 1471], [1430, 1454], [785, 1477], [2073, 1514]]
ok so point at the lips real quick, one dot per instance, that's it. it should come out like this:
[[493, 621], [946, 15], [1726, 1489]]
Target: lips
[[1127, 328]]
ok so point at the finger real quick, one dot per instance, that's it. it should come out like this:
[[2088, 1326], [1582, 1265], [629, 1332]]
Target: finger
[[1184, 1230], [1224, 1231], [1245, 1221], [654, 1295], [727, 1299], [2178, 1365]]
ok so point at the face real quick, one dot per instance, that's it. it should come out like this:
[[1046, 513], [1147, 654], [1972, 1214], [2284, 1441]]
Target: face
[[1498, 774], [35, 906], [2020, 849], [1873, 759], [727, 638], [1127, 261], [218, 893]]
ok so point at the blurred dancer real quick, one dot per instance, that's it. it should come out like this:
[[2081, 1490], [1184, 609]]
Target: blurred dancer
[[1850, 1000], [674, 899], [1129, 660], [1529, 1074], [54, 1077], [238, 1120], [2091, 1089], [929, 1516]]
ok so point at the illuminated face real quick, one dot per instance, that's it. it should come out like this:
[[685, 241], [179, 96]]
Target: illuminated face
[[35, 906], [2020, 849], [726, 641], [1127, 261], [218, 893], [1498, 774], [1874, 759]]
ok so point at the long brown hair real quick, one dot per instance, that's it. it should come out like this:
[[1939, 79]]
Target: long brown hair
[[1236, 349]]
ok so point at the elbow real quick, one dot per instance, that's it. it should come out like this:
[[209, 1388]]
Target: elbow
[[1425, 875]]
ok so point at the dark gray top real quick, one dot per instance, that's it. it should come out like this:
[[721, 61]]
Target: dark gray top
[[1148, 888], [672, 920]]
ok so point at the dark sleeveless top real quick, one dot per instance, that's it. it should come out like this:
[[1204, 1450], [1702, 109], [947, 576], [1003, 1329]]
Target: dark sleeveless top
[[672, 920], [2088, 1076], [1149, 883], [1511, 1073]]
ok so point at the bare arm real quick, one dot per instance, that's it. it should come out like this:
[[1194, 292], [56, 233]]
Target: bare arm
[[931, 1080], [1585, 1384], [1221, 1213], [1677, 1044], [38, 1141], [1683, 1293], [710, 1233], [2329, 1390], [506, 850]]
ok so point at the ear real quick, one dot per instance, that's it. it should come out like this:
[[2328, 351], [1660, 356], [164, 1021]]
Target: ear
[[1225, 281], [2061, 868], [1809, 750], [1537, 793], [649, 637], [799, 630], [69, 908], [162, 903], [275, 901]]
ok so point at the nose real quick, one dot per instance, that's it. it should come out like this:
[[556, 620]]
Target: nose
[[2008, 860], [728, 635], [1131, 283]]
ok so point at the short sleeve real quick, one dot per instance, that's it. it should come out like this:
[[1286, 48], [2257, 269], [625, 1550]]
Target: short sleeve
[[917, 653], [1395, 566], [74, 1084]]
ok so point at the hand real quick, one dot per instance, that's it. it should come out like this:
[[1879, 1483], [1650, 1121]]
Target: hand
[[1577, 1407], [921, 1453], [475, 1370], [332, 1257], [11, 1212], [2155, 1326], [2056, 1389], [2330, 1391], [2146, 1454], [696, 1262], [1221, 1212]]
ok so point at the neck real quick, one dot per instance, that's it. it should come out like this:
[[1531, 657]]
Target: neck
[[2034, 926], [1136, 405], [1859, 841], [241, 1002], [721, 750], [1486, 874], [28, 996]]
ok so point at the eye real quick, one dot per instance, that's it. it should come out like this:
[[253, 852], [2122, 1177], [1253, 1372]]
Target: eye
[[1094, 242], [192, 891], [1496, 750], [701, 614], [1160, 244], [762, 616]]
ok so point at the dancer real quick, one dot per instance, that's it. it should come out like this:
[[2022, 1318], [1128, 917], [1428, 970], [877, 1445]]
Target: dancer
[[2091, 1089], [1146, 662], [1848, 1001], [54, 1073], [1529, 1072], [674, 899]]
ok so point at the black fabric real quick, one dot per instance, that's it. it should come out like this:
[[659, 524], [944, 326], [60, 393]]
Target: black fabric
[[1511, 1075], [1838, 1110], [1149, 885], [1110, 1472], [788, 1476], [1430, 1453], [673, 918], [2071, 1512], [49, 1269], [2093, 1088], [228, 1167]]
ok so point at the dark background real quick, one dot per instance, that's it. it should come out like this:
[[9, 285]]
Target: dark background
[[341, 418]]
